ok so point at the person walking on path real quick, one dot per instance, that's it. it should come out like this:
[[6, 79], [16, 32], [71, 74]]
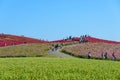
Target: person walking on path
[[56, 46], [53, 47], [61, 45]]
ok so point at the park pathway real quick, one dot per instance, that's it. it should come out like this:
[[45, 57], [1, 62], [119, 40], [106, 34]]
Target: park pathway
[[57, 53]]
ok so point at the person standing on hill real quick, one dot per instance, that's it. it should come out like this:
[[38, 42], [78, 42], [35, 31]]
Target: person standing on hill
[[102, 55], [113, 56], [106, 55], [89, 55], [81, 40]]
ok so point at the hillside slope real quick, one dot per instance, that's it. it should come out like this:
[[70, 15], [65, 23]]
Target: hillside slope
[[96, 49], [88, 38], [25, 50], [8, 40]]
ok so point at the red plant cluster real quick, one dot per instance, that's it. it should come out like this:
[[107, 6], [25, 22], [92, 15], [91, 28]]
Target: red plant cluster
[[92, 39], [8, 40], [89, 39], [9, 43]]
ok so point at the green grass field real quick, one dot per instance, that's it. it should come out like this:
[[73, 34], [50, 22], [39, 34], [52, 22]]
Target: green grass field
[[28, 50], [32, 68], [25, 50]]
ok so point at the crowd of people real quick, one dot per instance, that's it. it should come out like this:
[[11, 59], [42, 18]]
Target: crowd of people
[[103, 56], [56, 46], [84, 39]]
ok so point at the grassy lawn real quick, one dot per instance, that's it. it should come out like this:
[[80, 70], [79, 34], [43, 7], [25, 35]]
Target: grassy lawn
[[25, 50], [32, 68]]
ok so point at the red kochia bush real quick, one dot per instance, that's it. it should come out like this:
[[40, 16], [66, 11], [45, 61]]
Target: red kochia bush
[[9, 40]]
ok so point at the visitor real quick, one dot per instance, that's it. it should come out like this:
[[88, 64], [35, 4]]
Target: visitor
[[106, 56], [113, 56], [56, 46], [61, 45], [81, 40], [53, 47], [102, 55], [89, 55], [70, 37]]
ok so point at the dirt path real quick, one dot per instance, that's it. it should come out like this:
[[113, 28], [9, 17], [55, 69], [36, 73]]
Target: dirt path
[[57, 53]]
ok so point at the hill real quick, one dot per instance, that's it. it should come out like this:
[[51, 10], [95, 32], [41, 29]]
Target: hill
[[94, 45], [86, 39], [25, 50], [8, 40], [92, 39], [96, 49]]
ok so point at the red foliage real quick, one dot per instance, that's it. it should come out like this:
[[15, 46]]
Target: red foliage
[[89, 38], [92, 39], [9, 40]]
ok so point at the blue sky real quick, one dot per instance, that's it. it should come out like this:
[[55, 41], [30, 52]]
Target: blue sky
[[57, 19]]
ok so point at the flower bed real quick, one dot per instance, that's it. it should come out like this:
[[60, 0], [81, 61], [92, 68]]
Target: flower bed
[[96, 49]]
